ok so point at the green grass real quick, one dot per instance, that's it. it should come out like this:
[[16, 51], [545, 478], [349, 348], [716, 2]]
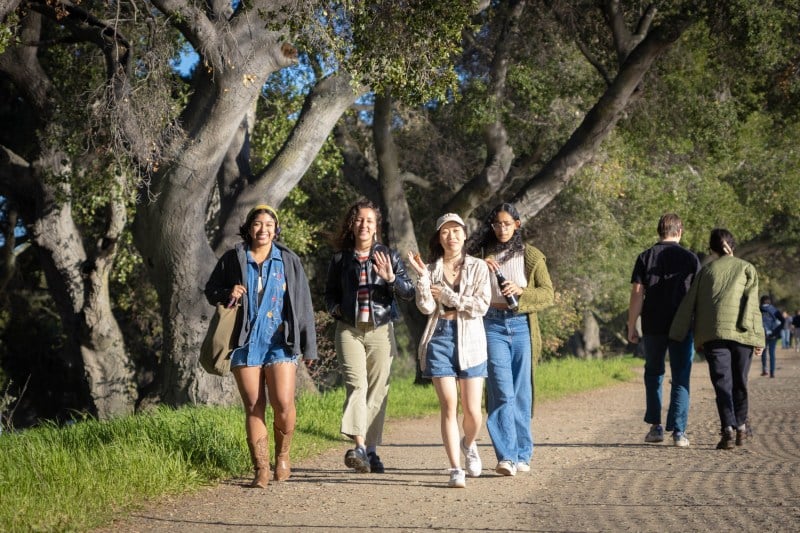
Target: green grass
[[561, 377], [81, 476]]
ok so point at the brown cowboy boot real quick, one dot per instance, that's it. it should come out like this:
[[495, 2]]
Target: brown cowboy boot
[[283, 443], [259, 453]]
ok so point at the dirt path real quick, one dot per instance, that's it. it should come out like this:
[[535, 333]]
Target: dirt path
[[591, 472]]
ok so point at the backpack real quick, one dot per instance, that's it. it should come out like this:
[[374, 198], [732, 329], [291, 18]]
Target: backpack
[[771, 322]]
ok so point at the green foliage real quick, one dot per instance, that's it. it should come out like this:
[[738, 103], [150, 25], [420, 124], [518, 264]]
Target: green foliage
[[558, 322], [8, 31], [402, 47]]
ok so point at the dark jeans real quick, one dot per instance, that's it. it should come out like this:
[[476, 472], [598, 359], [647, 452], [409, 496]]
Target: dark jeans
[[729, 365]]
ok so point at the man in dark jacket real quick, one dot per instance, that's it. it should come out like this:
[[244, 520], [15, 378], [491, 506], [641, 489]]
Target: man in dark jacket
[[661, 277], [773, 323], [796, 330]]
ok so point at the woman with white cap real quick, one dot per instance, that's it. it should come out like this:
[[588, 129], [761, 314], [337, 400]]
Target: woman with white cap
[[268, 281], [454, 291]]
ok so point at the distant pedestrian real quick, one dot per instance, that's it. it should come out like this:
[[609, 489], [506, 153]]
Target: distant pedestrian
[[786, 331], [721, 306], [454, 291], [772, 321], [796, 326], [661, 277]]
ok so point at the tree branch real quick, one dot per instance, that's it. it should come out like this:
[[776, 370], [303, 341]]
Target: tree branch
[[597, 124], [193, 23], [499, 153], [21, 64], [356, 169], [322, 109]]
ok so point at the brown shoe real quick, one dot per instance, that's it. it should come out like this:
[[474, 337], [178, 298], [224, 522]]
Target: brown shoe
[[743, 434], [728, 439]]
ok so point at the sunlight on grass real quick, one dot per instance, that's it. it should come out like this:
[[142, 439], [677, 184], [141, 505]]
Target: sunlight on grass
[[561, 377], [81, 476]]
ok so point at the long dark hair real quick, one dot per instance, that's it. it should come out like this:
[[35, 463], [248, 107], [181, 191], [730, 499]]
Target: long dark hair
[[489, 245], [345, 240]]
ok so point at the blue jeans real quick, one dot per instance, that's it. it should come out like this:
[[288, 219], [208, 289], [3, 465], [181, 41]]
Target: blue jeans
[[509, 388], [786, 338], [441, 358], [771, 345], [681, 354]]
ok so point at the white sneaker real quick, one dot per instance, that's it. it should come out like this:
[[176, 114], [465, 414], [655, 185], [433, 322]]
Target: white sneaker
[[472, 459], [457, 479], [506, 468], [679, 439], [523, 467]]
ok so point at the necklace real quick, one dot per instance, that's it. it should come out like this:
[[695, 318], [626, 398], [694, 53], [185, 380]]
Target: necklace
[[452, 270]]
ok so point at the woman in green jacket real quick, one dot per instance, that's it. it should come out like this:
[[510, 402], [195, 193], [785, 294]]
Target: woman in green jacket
[[521, 287], [721, 308]]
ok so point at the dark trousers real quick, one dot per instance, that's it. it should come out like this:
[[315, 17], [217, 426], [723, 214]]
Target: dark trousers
[[729, 365]]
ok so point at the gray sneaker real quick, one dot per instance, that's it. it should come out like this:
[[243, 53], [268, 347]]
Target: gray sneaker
[[457, 479], [656, 434], [472, 459]]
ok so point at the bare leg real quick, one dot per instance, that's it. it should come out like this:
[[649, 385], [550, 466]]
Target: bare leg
[[281, 380], [447, 391], [471, 397], [250, 380]]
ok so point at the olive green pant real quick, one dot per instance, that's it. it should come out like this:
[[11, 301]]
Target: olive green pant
[[365, 354]]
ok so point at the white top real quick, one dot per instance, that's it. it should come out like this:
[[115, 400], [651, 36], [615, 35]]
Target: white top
[[471, 302], [514, 270]]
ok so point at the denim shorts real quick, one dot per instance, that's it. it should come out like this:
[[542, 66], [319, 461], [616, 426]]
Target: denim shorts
[[276, 354], [441, 358]]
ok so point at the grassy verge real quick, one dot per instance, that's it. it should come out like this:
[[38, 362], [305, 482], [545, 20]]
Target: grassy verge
[[79, 477]]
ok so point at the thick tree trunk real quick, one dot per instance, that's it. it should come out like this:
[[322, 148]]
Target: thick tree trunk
[[171, 236], [394, 203], [79, 285]]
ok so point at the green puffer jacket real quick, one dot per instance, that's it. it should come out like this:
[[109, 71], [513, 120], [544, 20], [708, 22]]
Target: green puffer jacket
[[722, 304]]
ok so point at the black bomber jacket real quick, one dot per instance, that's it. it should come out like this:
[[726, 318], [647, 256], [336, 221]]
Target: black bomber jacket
[[341, 287]]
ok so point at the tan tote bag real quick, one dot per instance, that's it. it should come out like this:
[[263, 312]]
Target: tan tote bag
[[221, 338]]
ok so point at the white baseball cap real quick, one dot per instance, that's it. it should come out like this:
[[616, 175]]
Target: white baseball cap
[[449, 217]]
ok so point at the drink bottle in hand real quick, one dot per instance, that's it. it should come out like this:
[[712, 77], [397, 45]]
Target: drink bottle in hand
[[511, 299]]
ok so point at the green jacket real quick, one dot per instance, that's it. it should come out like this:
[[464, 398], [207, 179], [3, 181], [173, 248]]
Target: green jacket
[[722, 304], [536, 296]]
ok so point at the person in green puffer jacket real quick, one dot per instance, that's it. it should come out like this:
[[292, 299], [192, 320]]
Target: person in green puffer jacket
[[722, 309]]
